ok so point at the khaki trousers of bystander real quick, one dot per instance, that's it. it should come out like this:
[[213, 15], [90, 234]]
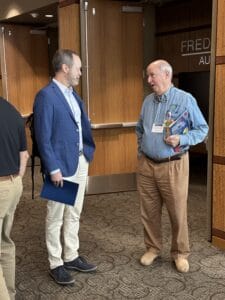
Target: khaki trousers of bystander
[[167, 183], [10, 193]]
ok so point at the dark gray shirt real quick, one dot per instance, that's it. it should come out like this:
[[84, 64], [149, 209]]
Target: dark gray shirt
[[12, 138]]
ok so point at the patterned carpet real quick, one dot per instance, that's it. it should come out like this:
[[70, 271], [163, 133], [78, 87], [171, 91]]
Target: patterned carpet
[[111, 236]]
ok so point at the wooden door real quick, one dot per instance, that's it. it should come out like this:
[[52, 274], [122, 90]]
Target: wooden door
[[111, 43], [115, 64], [218, 128], [24, 65], [69, 27]]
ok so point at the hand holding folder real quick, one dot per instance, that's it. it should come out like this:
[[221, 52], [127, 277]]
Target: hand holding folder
[[66, 194], [180, 125]]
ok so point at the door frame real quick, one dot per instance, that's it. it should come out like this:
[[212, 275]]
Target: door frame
[[209, 206]]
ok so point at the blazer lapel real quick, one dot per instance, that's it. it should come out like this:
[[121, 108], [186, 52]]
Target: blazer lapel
[[62, 99]]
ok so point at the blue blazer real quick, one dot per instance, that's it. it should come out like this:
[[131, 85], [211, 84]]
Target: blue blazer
[[56, 131]]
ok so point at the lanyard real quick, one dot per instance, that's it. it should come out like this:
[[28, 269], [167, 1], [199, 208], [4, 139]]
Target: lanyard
[[159, 108]]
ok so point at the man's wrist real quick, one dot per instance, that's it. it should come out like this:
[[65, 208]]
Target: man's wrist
[[54, 171]]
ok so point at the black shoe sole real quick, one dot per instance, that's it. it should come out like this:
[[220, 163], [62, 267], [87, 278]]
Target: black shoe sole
[[80, 270], [62, 283]]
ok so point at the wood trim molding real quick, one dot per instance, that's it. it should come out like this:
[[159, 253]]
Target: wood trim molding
[[220, 60], [218, 242], [182, 30], [220, 160], [64, 3], [218, 233]]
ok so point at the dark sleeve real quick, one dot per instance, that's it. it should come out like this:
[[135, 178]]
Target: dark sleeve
[[22, 134]]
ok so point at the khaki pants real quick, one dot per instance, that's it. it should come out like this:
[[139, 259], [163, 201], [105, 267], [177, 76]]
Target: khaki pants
[[66, 217], [10, 193], [167, 183]]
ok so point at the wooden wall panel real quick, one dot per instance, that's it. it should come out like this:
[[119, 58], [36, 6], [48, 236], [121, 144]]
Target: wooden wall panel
[[25, 65], [177, 47], [115, 52], [40, 60], [219, 112], [218, 242], [183, 14], [69, 29], [132, 66], [168, 18], [27, 68], [218, 151], [183, 28], [218, 197], [116, 61], [116, 151], [220, 47], [19, 67]]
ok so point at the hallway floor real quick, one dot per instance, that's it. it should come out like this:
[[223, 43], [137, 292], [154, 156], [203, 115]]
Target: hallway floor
[[111, 236]]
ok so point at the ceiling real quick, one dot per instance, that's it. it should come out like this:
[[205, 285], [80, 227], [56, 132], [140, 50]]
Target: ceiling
[[39, 20]]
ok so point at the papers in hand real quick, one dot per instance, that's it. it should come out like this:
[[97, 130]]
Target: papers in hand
[[180, 125], [66, 194]]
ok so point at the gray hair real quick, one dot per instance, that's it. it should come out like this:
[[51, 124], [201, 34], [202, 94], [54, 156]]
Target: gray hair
[[165, 67], [62, 56]]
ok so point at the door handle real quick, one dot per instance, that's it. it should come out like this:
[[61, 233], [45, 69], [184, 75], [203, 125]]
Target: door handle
[[106, 125], [113, 125], [129, 124]]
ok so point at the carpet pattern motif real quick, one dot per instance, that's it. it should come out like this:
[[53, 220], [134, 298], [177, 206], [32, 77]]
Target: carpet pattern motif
[[111, 236]]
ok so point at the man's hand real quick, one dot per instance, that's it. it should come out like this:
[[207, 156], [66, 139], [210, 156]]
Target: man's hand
[[173, 140], [57, 179], [23, 162]]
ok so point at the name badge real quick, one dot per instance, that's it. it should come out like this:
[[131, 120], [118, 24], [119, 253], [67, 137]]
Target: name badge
[[157, 128]]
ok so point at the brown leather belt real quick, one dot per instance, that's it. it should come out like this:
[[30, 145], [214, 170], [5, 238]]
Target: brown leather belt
[[8, 177], [167, 159]]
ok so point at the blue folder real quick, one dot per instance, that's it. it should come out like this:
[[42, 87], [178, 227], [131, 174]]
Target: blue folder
[[66, 194], [181, 125]]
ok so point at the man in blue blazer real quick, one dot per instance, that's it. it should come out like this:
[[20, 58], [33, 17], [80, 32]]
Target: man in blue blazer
[[64, 139]]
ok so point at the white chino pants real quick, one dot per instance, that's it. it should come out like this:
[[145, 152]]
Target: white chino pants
[[65, 219]]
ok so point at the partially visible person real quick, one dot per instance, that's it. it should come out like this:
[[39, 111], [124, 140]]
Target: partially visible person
[[163, 164], [65, 143], [13, 161]]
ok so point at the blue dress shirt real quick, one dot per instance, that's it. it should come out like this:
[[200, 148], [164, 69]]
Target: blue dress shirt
[[155, 111]]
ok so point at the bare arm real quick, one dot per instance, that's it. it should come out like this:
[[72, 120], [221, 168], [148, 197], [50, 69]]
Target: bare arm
[[23, 162]]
